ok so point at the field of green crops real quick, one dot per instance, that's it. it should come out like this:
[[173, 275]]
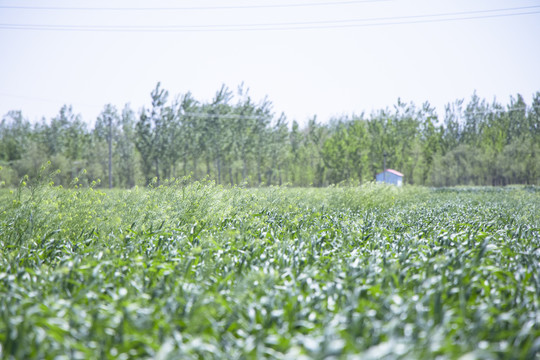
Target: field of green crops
[[198, 271]]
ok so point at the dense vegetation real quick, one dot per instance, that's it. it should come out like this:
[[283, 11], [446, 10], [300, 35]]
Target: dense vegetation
[[236, 140], [196, 270]]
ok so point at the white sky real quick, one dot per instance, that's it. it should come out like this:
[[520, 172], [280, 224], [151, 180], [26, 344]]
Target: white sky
[[325, 71]]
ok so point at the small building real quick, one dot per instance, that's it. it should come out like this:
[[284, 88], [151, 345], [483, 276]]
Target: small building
[[390, 176]]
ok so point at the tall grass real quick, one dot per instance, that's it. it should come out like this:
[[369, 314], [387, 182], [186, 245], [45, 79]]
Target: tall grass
[[195, 270]]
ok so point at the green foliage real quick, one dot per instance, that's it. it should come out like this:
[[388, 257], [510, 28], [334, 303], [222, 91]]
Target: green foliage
[[151, 133], [235, 140], [190, 269]]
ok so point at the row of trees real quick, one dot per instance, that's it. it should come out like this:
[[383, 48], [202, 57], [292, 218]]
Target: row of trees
[[474, 144], [235, 140]]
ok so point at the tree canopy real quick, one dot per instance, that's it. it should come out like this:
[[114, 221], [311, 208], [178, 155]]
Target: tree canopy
[[234, 139]]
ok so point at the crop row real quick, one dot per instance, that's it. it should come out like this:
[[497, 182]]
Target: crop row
[[200, 271]]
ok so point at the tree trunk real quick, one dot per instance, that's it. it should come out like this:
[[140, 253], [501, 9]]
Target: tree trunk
[[110, 152], [218, 164], [184, 165], [259, 170], [244, 164], [157, 171], [131, 177]]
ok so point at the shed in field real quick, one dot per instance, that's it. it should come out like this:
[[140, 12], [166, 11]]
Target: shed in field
[[390, 176]]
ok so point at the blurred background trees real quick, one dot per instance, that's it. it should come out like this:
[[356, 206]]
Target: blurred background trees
[[234, 139]]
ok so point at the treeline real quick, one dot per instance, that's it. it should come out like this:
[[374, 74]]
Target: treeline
[[233, 139]]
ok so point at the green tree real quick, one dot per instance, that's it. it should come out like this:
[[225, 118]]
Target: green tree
[[188, 138], [107, 132], [316, 135], [125, 152], [15, 131], [151, 133]]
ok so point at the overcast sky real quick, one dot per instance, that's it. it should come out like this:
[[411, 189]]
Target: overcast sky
[[309, 57]]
